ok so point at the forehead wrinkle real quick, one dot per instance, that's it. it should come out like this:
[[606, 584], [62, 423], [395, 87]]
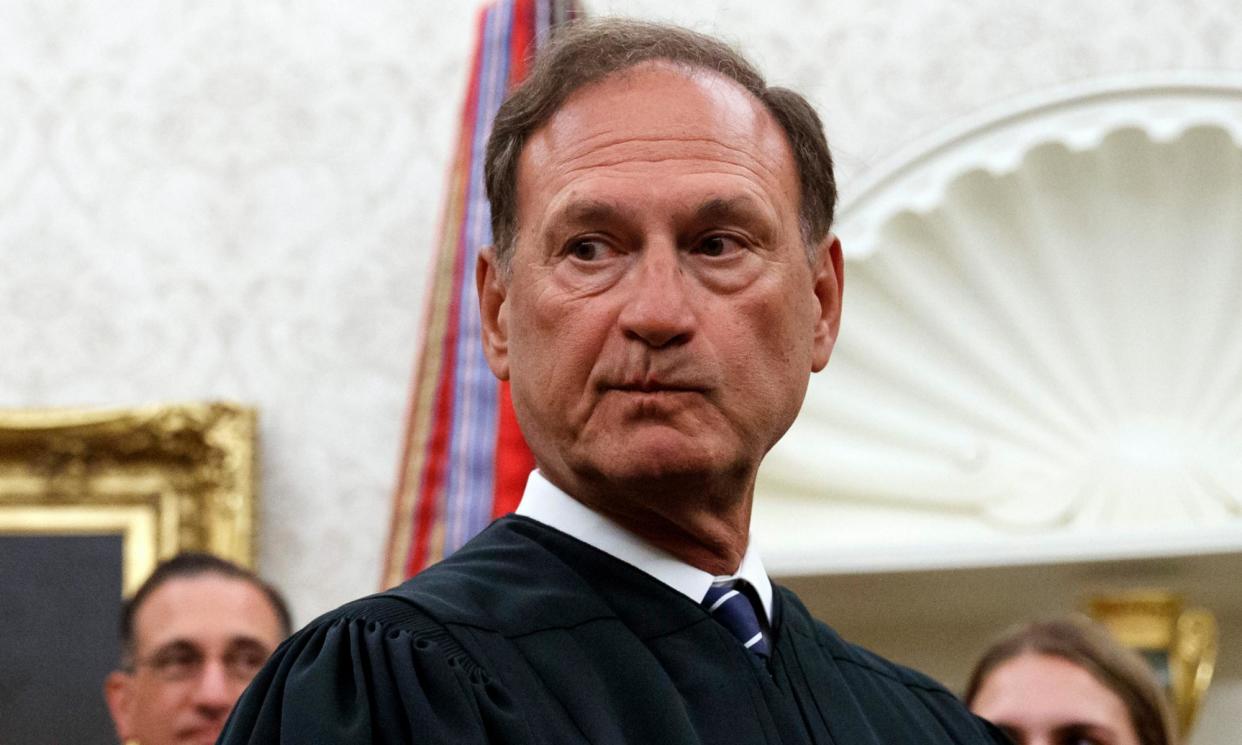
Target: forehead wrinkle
[[751, 129], [648, 151], [566, 187], [597, 136], [570, 206]]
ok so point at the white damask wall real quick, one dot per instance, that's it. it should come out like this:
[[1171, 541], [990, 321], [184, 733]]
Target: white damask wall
[[236, 199], [233, 199]]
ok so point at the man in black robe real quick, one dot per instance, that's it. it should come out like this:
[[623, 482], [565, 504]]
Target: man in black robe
[[662, 284]]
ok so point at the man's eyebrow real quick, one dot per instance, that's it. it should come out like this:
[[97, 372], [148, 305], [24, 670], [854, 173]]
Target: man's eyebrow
[[720, 207], [589, 211], [247, 642], [186, 645], [175, 645]]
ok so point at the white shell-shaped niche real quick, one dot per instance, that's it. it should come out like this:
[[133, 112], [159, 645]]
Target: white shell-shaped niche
[[1040, 356]]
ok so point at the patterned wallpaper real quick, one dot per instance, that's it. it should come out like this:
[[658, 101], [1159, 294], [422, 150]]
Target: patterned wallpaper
[[236, 199]]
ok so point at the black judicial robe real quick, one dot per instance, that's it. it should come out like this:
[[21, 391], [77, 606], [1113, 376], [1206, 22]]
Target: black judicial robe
[[527, 636]]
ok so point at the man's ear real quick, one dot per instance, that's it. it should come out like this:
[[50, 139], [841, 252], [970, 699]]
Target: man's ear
[[119, 693], [829, 277], [494, 311]]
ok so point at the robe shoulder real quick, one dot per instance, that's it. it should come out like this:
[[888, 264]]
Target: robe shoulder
[[875, 682], [392, 668], [377, 670]]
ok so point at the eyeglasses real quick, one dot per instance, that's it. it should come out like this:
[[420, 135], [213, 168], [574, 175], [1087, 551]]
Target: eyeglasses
[[181, 662]]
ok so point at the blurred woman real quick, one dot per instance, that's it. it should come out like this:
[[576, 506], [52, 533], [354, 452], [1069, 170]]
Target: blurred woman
[[1068, 682]]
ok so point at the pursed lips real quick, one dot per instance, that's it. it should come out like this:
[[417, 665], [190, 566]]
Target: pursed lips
[[655, 386]]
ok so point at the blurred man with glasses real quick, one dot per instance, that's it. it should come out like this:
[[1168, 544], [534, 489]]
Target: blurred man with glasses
[[193, 636]]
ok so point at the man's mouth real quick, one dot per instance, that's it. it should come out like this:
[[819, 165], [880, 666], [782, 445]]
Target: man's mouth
[[656, 386]]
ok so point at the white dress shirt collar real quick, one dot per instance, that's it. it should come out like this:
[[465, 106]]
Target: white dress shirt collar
[[544, 502]]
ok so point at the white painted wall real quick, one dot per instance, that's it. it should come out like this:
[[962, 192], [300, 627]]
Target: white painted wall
[[237, 199]]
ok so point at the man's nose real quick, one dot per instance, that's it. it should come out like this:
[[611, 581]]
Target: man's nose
[[658, 311], [216, 691]]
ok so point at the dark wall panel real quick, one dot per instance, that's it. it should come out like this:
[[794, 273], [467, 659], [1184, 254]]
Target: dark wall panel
[[60, 597]]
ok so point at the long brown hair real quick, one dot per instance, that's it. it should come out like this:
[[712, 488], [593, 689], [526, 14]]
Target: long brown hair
[[1089, 646]]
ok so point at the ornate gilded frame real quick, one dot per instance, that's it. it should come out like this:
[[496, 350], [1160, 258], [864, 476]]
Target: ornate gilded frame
[[1180, 642], [167, 478]]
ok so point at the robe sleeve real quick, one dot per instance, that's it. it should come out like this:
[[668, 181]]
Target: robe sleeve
[[348, 678]]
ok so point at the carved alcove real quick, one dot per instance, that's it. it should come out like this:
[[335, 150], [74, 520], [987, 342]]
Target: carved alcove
[[1037, 391]]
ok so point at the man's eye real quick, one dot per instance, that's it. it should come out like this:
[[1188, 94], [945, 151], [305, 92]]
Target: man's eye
[[588, 250], [174, 658], [717, 245], [245, 664], [174, 662]]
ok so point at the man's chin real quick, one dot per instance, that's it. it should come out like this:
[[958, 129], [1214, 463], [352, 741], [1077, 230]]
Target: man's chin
[[662, 461]]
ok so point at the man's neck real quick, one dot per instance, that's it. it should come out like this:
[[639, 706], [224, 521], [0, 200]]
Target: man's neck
[[706, 525], [715, 546]]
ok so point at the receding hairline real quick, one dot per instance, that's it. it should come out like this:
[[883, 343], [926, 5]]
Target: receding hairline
[[258, 592], [193, 565], [625, 45], [780, 166], [210, 576], [686, 68], [689, 71]]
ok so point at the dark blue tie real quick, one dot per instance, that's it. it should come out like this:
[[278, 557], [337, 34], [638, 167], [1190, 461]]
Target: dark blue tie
[[729, 602]]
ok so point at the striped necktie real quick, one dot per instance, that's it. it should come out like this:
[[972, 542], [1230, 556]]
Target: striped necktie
[[729, 602]]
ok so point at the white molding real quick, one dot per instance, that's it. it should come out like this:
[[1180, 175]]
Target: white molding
[[1039, 356], [994, 139]]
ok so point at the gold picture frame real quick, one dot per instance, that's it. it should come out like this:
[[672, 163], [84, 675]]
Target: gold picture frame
[[167, 478], [1180, 643]]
